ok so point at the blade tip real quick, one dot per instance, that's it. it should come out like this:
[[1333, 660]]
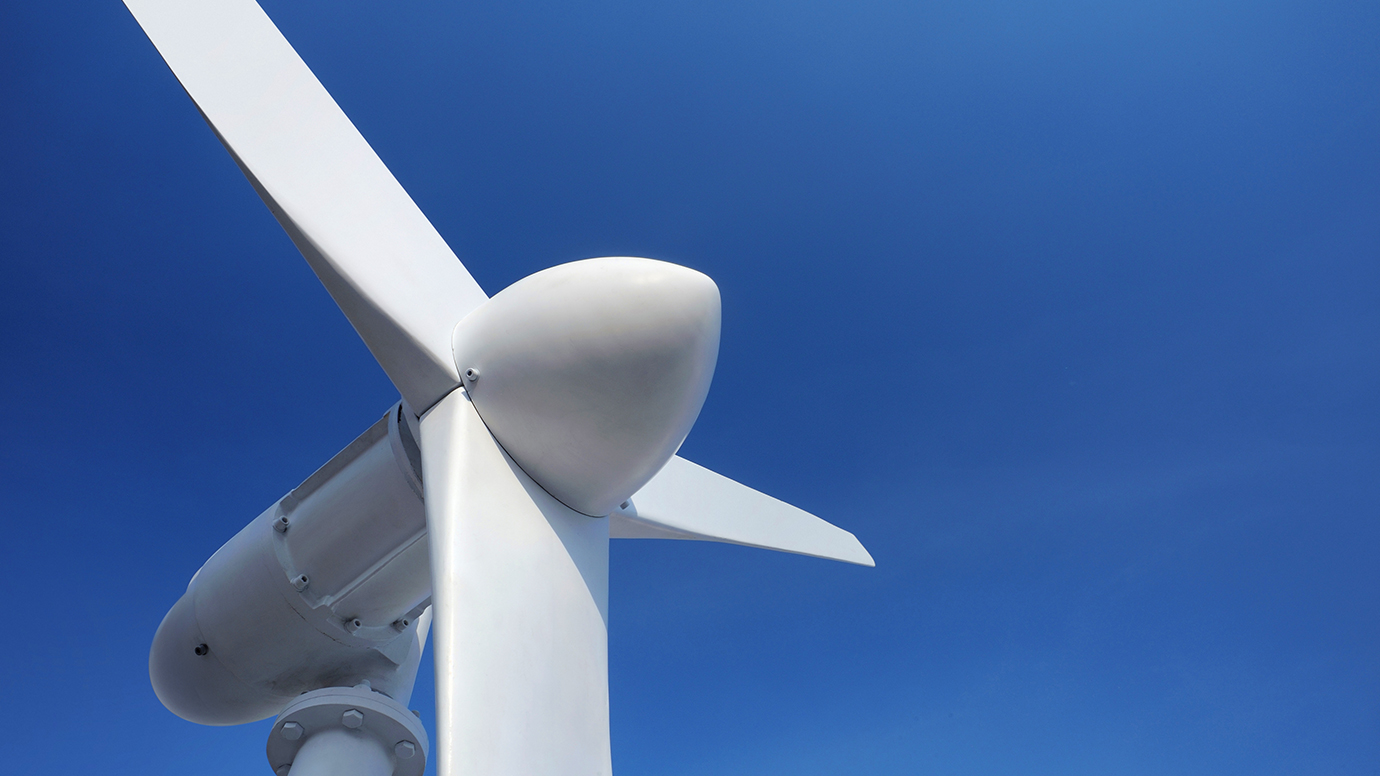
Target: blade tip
[[866, 559]]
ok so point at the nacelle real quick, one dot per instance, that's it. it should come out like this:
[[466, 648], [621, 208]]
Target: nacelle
[[328, 587]]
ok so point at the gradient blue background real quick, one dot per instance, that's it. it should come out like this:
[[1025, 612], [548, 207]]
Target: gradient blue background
[[1069, 310]]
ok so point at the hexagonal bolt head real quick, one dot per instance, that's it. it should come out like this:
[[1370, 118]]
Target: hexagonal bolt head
[[352, 719], [291, 731], [404, 750]]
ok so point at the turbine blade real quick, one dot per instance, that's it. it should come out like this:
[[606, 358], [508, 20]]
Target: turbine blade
[[381, 260], [687, 501], [520, 596]]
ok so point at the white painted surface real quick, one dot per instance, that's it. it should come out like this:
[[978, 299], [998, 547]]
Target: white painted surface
[[347, 731], [358, 531], [591, 373], [687, 501], [340, 752], [520, 592], [382, 261]]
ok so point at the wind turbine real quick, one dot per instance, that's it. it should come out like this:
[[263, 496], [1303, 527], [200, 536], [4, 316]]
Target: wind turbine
[[533, 427]]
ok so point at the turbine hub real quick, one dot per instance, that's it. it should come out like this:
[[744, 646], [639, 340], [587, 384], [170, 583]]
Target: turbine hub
[[590, 374]]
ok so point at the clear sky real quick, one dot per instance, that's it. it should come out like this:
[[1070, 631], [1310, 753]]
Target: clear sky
[[1069, 310]]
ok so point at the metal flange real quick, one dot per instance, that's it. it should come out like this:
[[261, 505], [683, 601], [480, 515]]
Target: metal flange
[[358, 712]]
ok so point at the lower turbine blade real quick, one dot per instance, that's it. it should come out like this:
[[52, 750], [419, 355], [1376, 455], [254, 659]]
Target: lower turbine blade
[[520, 597]]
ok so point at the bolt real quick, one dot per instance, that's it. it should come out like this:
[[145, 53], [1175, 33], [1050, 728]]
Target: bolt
[[282, 770], [281, 524], [300, 582], [353, 624], [291, 731], [471, 374], [352, 719], [404, 750], [401, 624], [624, 505], [417, 713], [201, 650]]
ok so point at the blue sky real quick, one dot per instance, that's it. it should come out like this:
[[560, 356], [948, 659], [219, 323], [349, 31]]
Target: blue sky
[[1069, 310]]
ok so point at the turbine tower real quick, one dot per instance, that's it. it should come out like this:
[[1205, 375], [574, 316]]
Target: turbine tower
[[532, 427]]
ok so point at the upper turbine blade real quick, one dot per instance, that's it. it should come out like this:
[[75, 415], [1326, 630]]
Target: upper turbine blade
[[520, 597], [687, 501], [382, 261]]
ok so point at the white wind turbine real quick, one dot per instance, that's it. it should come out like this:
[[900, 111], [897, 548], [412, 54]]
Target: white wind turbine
[[533, 427]]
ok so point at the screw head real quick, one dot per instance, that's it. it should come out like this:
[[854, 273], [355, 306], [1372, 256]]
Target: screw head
[[291, 731], [352, 719], [404, 750]]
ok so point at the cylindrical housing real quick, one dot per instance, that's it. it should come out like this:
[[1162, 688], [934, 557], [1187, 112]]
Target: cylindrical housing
[[340, 752], [325, 588]]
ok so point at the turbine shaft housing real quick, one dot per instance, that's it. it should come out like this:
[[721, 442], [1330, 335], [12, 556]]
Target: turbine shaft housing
[[328, 587]]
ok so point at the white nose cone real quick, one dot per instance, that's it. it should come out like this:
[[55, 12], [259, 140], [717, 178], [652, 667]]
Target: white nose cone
[[590, 374]]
